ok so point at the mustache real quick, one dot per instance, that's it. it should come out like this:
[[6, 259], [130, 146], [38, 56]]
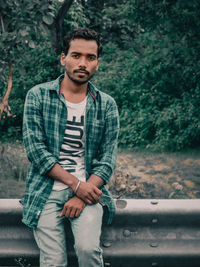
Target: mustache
[[81, 70]]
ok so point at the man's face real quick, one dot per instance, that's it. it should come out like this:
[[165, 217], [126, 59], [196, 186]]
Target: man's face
[[81, 61]]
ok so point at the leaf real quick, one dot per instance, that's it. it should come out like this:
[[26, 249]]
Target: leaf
[[23, 33], [2, 4], [16, 3], [44, 28], [51, 7], [48, 19], [51, 14], [22, 71], [31, 44], [4, 35]]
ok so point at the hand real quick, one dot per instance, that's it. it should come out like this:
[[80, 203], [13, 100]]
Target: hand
[[88, 192], [73, 208]]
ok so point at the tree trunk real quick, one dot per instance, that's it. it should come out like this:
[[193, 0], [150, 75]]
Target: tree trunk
[[4, 107], [56, 37], [56, 27]]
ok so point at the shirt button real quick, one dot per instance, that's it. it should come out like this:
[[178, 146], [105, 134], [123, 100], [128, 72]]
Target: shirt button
[[38, 214]]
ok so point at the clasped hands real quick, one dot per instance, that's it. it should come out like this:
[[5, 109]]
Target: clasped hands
[[87, 193]]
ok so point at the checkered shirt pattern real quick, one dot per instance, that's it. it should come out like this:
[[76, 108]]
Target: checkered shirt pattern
[[44, 123]]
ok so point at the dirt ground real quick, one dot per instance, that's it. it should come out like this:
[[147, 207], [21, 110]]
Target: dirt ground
[[140, 175], [137, 175]]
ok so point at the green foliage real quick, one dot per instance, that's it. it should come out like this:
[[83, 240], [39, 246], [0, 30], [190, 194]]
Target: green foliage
[[25, 45], [150, 65], [23, 21], [155, 81], [41, 65], [75, 17]]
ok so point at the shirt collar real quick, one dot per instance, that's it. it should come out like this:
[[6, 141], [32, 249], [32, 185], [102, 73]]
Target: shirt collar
[[92, 90], [55, 84]]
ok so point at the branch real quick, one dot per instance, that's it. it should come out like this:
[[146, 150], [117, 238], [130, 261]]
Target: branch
[[2, 23], [4, 107], [56, 27]]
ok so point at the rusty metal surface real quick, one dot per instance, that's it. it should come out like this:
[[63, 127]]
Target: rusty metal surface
[[163, 233]]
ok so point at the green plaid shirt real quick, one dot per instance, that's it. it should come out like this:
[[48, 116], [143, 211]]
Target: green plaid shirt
[[44, 123]]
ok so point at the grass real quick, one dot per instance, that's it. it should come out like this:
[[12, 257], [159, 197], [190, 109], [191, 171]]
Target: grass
[[139, 174], [13, 170]]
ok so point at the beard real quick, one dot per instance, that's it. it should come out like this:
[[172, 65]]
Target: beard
[[76, 81]]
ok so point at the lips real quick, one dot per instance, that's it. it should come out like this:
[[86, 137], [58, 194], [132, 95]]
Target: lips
[[81, 71]]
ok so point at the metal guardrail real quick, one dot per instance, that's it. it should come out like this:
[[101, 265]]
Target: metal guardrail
[[161, 233]]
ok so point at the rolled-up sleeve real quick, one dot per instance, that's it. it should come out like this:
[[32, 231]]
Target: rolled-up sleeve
[[105, 162], [34, 135]]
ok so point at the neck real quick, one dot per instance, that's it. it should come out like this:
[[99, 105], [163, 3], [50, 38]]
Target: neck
[[73, 92]]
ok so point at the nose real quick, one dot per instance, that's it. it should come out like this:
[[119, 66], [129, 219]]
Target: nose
[[83, 63]]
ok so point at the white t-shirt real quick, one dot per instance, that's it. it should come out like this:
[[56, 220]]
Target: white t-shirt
[[72, 150]]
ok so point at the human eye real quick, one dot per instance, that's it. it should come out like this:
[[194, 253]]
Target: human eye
[[75, 56], [91, 57]]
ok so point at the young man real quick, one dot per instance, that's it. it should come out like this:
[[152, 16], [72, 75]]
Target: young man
[[70, 132]]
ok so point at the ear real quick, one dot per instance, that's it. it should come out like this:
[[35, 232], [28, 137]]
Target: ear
[[98, 61], [62, 59]]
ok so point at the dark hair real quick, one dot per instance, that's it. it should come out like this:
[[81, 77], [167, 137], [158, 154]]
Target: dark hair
[[82, 33]]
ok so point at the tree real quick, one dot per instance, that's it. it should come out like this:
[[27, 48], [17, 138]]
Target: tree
[[150, 63], [154, 73], [23, 24]]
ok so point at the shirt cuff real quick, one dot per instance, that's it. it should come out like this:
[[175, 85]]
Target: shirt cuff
[[47, 165]]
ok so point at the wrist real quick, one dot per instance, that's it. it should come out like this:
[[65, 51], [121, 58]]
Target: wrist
[[80, 199], [77, 187], [72, 183]]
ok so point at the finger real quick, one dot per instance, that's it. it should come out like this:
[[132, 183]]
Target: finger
[[96, 195], [78, 212], [61, 214], [68, 212], [72, 213], [98, 191], [88, 201], [93, 197]]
